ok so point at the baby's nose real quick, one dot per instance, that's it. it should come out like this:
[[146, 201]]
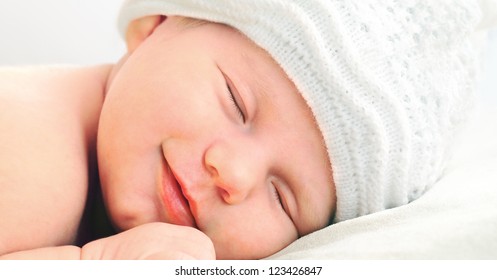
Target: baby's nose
[[235, 170]]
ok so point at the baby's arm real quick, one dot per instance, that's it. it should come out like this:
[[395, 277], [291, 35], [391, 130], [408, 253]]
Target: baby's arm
[[148, 241]]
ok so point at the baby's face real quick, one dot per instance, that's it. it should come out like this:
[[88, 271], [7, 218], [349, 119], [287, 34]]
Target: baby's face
[[200, 127]]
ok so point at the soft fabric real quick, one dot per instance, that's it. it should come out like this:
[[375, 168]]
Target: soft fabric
[[389, 82]]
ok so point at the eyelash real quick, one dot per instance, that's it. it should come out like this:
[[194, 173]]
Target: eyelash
[[277, 197], [233, 100]]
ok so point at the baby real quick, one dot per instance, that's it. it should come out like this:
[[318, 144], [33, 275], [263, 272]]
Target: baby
[[230, 129]]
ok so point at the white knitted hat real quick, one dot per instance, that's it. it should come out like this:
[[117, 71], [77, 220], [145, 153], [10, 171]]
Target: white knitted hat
[[389, 82]]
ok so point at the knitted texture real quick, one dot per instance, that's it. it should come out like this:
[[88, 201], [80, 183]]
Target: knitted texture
[[388, 82]]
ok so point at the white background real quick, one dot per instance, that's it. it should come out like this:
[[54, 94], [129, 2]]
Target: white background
[[488, 80], [80, 32]]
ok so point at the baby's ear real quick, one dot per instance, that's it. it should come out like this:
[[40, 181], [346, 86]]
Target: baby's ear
[[140, 29]]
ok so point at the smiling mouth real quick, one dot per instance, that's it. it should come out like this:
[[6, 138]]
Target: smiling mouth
[[176, 206]]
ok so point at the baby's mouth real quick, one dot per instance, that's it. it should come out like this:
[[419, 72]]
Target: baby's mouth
[[176, 205]]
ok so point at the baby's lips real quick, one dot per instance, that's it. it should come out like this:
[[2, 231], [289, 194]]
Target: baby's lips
[[175, 202]]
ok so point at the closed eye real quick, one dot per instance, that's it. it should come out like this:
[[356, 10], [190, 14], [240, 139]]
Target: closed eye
[[282, 202], [277, 197], [235, 99]]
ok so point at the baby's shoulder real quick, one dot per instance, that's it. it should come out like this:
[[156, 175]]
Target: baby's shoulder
[[42, 86], [48, 122], [50, 108], [51, 95]]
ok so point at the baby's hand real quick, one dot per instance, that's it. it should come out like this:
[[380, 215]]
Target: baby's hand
[[152, 241]]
